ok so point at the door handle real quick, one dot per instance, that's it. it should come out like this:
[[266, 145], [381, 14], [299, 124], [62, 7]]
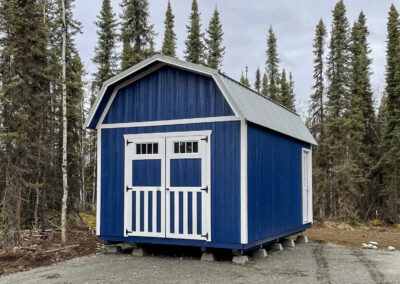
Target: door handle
[[167, 188]]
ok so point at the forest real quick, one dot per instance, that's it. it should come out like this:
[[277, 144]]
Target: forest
[[48, 159]]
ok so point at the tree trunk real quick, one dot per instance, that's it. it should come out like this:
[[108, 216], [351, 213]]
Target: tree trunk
[[64, 135]]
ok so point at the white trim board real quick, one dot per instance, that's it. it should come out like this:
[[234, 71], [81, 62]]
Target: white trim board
[[98, 185], [168, 134], [171, 122], [243, 183]]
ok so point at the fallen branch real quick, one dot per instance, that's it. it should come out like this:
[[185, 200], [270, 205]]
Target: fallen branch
[[55, 250]]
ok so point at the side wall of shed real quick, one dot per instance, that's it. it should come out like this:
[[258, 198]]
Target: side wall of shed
[[274, 183], [225, 180]]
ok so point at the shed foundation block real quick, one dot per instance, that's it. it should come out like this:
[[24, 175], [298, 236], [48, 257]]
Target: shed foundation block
[[240, 259], [113, 249], [207, 256], [260, 254], [288, 243], [302, 239], [139, 252], [276, 247]]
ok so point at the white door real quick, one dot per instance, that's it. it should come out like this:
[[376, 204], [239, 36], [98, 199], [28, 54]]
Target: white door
[[167, 185], [145, 187], [188, 188], [307, 185]]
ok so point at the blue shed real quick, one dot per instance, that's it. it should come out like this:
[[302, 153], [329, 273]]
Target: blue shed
[[188, 156]]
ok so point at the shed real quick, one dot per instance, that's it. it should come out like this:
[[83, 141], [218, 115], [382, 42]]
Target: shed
[[188, 156]]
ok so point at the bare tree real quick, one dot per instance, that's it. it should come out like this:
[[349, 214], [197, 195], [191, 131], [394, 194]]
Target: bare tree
[[64, 135]]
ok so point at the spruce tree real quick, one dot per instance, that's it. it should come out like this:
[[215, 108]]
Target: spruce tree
[[137, 34], [214, 42], [264, 85], [361, 115], [317, 98], [285, 96], [244, 80], [194, 51], [316, 122], [389, 163], [341, 195], [257, 83], [105, 55], [272, 65], [169, 43]]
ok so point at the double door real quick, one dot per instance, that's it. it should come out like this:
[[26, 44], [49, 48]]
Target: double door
[[167, 185]]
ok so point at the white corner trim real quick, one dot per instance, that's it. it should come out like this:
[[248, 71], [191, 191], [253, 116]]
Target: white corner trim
[[307, 200], [243, 183], [98, 183], [170, 122]]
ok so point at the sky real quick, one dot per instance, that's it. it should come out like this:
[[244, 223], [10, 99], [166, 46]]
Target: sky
[[245, 26]]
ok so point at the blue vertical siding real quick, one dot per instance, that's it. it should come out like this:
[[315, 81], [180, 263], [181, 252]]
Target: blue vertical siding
[[225, 178], [274, 183], [168, 93]]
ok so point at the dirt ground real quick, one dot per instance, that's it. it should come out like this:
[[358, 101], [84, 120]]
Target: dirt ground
[[344, 234], [46, 249], [43, 249]]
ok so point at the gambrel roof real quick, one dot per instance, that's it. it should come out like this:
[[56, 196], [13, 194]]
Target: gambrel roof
[[245, 103]]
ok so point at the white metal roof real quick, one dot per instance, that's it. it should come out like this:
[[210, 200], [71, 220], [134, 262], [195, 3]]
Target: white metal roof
[[245, 103]]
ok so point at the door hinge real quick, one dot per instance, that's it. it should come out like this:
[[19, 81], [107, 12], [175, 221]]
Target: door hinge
[[205, 189], [205, 139], [128, 232], [128, 142], [128, 188], [205, 236]]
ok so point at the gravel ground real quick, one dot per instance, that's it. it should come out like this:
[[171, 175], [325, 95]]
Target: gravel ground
[[307, 263]]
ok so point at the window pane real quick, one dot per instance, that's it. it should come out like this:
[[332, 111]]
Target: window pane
[[195, 147], [144, 149], [188, 147], [155, 148], [176, 147], [182, 147], [137, 148], [150, 148]]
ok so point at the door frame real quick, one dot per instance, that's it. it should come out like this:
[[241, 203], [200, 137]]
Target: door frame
[[206, 133], [128, 158]]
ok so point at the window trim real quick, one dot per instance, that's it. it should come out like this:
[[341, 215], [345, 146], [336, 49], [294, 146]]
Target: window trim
[[309, 217]]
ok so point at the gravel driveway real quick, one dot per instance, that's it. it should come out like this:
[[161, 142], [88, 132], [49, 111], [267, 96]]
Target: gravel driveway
[[312, 262]]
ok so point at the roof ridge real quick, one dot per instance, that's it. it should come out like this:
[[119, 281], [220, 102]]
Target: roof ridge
[[257, 93]]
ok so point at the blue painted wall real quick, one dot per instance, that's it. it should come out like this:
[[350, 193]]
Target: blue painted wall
[[274, 183], [225, 178], [168, 93]]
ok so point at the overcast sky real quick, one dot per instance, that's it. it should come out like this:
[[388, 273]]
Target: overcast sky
[[245, 24]]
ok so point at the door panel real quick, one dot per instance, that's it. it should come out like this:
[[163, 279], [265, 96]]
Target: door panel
[[187, 183], [145, 187]]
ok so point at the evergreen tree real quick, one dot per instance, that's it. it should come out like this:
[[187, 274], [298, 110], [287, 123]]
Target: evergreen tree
[[285, 97], [215, 48], [317, 98], [105, 56], [264, 85], [244, 80], [341, 194], [291, 90], [194, 51], [137, 33], [389, 163], [272, 65], [257, 83], [316, 123], [169, 43], [24, 98], [360, 114]]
